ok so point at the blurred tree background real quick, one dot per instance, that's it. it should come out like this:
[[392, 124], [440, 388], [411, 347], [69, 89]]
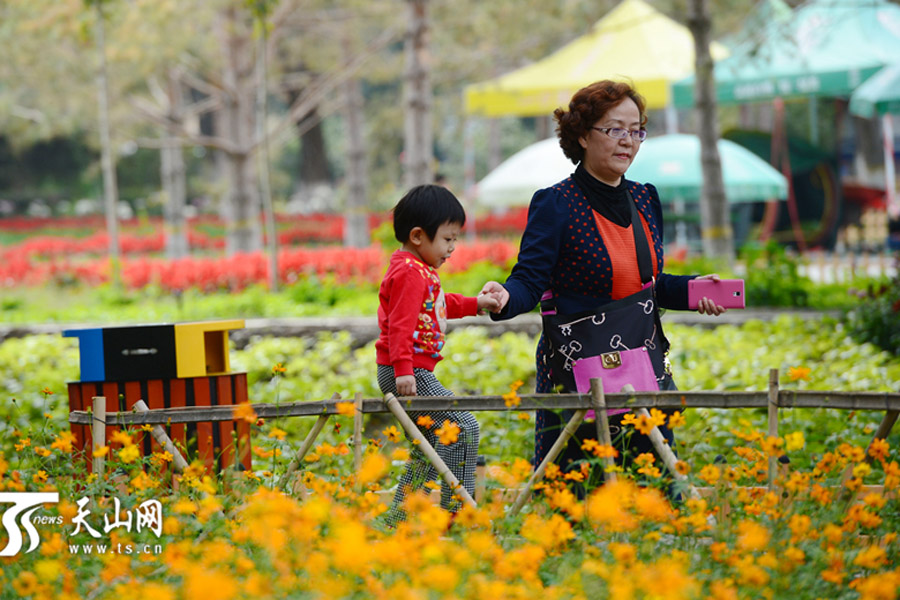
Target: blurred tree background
[[186, 78]]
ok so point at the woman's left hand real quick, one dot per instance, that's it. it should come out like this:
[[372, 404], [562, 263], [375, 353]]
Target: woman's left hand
[[705, 306]]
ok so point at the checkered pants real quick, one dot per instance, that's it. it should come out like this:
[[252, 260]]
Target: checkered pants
[[460, 457]]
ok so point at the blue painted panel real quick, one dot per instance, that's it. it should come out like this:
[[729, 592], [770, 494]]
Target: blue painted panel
[[90, 349]]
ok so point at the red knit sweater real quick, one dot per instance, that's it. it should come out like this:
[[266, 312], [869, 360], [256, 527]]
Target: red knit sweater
[[412, 315]]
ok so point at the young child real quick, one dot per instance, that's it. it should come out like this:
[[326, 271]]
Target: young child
[[412, 316]]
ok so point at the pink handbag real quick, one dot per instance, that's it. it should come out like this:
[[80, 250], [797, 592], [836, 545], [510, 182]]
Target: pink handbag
[[616, 369]]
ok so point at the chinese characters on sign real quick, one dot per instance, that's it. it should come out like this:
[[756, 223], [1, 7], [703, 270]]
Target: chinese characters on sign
[[148, 515]]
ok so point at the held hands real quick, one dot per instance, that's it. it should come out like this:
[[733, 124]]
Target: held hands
[[406, 385], [488, 301], [495, 297], [705, 306]]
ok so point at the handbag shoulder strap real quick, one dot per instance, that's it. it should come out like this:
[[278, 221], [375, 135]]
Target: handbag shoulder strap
[[641, 245]]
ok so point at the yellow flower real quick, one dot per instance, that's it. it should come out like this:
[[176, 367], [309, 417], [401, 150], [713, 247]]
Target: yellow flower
[[161, 458], [101, 451], [40, 477], [797, 373], [511, 398], [144, 482], [278, 434], [64, 441], [129, 454], [345, 409], [872, 557], [244, 412], [861, 470], [752, 536], [373, 468], [794, 441], [624, 554], [682, 468], [121, 437], [392, 434], [710, 474], [644, 458], [22, 444], [657, 417], [551, 534], [47, 391], [278, 368], [772, 446], [448, 433], [644, 424], [676, 419], [26, 584], [401, 454]]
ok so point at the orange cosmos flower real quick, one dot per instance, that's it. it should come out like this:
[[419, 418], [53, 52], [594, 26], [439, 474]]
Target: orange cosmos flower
[[244, 412], [448, 433]]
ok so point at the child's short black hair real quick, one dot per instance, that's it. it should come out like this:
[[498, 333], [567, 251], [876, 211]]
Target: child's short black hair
[[427, 206]]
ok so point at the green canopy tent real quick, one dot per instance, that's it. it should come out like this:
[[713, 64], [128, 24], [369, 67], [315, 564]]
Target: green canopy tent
[[880, 95], [827, 48]]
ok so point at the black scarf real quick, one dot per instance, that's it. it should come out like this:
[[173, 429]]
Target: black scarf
[[610, 202]]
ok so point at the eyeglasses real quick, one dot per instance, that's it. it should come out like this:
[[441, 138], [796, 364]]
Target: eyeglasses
[[617, 133]]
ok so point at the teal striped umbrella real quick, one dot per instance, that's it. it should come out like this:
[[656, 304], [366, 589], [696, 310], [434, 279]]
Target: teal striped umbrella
[[880, 94]]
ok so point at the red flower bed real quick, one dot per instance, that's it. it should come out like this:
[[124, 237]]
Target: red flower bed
[[233, 272]]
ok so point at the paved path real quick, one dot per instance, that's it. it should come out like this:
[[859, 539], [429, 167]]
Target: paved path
[[365, 329]]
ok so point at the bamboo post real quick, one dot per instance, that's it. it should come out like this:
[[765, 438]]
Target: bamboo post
[[557, 447], [446, 474], [98, 433], [159, 434], [304, 448], [598, 401], [773, 421], [666, 454], [357, 432]]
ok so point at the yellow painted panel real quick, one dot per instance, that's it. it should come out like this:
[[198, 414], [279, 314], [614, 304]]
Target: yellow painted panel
[[201, 348]]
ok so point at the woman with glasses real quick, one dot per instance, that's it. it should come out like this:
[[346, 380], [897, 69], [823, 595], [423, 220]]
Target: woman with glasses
[[579, 241]]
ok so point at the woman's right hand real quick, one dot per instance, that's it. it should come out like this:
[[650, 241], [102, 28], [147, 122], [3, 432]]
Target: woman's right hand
[[500, 293]]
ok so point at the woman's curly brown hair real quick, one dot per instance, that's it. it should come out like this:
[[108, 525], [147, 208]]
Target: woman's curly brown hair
[[588, 106]]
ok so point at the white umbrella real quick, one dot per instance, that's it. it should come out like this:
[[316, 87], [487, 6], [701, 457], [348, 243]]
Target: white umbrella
[[670, 162], [516, 179]]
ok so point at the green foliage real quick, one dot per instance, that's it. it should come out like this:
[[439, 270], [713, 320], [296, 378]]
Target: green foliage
[[470, 281], [29, 365], [773, 278], [877, 319], [476, 362], [738, 358]]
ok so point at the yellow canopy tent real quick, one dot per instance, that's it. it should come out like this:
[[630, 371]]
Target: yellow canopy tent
[[633, 42]]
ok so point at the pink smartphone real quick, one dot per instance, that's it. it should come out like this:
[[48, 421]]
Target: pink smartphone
[[728, 293]]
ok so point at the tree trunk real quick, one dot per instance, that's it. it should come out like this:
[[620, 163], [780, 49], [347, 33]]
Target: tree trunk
[[356, 221], [417, 152], [107, 158], [262, 133], [314, 168], [173, 175], [714, 213], [241, 203]]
